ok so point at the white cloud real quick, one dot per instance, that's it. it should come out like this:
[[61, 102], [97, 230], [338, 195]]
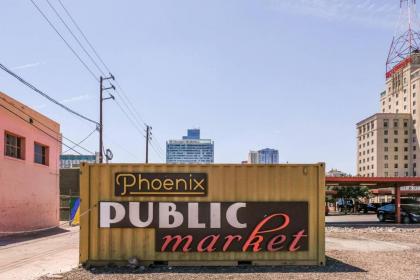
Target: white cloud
[[29, 65], [372, 13], [75, 99]]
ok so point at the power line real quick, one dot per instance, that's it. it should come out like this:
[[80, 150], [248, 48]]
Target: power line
[[74, 36], [158, 153], [83, 140], [20, 79], [129, 118], [76, 144], [125, 99], [46, 126], [65, 41], [131, 110], [49, 135], [83, 35]]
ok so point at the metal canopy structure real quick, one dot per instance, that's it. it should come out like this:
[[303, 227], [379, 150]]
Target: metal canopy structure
[[373, 182], [378, 183]]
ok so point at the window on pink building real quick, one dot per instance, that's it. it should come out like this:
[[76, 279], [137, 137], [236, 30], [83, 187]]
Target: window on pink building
[[41, 154], [14, 146]]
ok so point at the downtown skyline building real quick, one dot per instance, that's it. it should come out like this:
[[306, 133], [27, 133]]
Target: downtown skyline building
[[388, 142], [264, 156], [191, 149]]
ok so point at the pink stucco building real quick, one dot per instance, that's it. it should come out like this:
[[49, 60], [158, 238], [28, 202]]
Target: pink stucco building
[[29, 168]]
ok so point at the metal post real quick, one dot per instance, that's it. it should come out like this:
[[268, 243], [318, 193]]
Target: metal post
[[101, 156], [101, 100], [397, 204], [147, 143]]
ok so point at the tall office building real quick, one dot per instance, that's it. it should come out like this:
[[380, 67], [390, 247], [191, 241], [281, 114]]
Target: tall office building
[[74, 161], [388, 142], [268, 156], [264, 156], [191, 149], [253, 157]]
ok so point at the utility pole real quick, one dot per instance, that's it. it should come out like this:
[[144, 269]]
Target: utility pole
[[101, 100], [148, 138]]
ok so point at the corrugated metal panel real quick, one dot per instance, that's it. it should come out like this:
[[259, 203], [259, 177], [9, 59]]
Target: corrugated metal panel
[[226, 182]]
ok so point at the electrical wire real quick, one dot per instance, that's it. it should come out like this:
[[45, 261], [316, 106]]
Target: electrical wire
[[74, 36], [38, 121], [64, 40], [20, 79], [83, 35], [84, 139], [129, 118], [49, 135], [131, 110]]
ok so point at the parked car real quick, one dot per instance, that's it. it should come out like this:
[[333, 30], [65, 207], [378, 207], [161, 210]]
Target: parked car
[[342, 204], [409, 213], [365, 208]]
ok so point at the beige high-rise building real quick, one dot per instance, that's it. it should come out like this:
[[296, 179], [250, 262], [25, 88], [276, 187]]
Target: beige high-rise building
[[388, 142], [384, 146]]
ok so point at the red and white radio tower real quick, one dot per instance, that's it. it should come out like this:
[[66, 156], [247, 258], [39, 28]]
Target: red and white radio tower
[[406, 40]]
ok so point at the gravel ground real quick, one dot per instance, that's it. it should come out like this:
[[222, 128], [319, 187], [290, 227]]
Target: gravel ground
[[351, 254]]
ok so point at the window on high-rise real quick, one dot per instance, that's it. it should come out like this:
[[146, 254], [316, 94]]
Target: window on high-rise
[[396, 165], [395, 157], [395, 140], [385, 140], [406, 140], [395, 149]]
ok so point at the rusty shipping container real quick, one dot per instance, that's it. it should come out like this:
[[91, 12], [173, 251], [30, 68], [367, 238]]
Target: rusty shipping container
[[218, 214]]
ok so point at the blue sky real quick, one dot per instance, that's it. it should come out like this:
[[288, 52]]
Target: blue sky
[[295, 75]]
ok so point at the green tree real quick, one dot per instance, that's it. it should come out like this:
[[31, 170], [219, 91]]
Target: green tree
[[347, 193]]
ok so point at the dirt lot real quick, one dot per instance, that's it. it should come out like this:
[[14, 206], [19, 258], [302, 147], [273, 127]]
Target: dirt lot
[[362, 253]]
